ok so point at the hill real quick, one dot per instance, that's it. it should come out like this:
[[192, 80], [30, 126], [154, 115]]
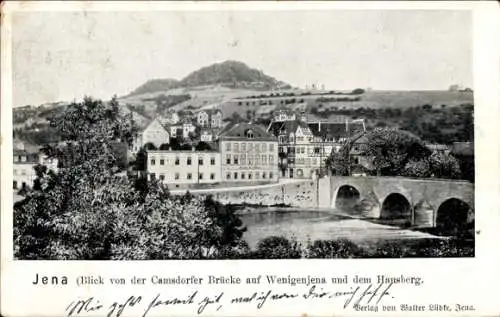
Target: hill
[[231, 74], [155, 85]]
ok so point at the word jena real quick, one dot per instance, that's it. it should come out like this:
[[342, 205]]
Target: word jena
[[52, 280]]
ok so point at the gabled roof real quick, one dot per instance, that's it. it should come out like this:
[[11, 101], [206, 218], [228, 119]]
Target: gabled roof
[[286, 127], [240, 130]]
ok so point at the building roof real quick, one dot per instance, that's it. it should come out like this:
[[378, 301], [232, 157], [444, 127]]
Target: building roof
[[240, 131], [463, 148], [437, 147]]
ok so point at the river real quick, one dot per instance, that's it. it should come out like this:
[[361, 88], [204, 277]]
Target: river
[[305, 225]]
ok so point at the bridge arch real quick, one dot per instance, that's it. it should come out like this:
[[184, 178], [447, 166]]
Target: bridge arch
[[453, 216], [346, 197], [396, 206]]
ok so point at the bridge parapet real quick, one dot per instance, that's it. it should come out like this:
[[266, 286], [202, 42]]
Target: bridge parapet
[[424, 197]]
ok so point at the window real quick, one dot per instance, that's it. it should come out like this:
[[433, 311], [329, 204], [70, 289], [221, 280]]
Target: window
[[188, 160], [15, 184], [176, 175], [228, 159], [162, 162], [263, 147], [271, 159], [212, 161], [235, 175], [212, 176], [176, 161], [317, 150], [162, 177], [243, 147], [249, 175], [228, 176], [23, 172], [242, 175], [189, 175], [23, 158], [16, 158], [314, 161], [271, 175], [200, 176], [300, 138], [228, 146], [200, 161], [264, 159], [242, 159], [257, 175], [152, 176], [235, 160], [250, 134], [308, 161], [153, 161], [271, 147], [236, 147], [263, 175]]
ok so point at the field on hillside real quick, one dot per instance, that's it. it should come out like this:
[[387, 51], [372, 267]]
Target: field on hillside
[[372, 99]]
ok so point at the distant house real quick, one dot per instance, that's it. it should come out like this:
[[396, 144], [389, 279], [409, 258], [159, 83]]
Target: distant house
[[156, 133], [211, 118], [439, 148], [209, 135], [25, 160]]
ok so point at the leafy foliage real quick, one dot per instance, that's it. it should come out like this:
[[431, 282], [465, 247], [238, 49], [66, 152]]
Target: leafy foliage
[[341, 248], [88, 211], [278, 247], [392, 150]]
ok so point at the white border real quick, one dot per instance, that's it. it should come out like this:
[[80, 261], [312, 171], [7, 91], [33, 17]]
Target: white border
[[460, 280]]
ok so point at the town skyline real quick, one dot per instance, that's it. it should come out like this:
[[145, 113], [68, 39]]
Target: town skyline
[[53, 63]]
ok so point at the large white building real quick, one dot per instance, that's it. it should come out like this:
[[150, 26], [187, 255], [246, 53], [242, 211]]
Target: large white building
[[249, 154], [180, 169]]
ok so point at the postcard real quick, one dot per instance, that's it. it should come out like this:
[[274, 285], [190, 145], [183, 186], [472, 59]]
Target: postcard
[[250, 158]]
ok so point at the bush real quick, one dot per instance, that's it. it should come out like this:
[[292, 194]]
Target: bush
[[333, 249], [277, 247]]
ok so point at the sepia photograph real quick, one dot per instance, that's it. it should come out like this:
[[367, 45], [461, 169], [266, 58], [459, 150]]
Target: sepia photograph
[[242, 134]]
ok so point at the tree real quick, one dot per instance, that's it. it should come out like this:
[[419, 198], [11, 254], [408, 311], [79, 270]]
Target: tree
[[358, 91], [226, 218], [88, 131], [417, 168], [149, 147], [85, 211], [444, 166], [392, 149], [203, 146], [338, 163]]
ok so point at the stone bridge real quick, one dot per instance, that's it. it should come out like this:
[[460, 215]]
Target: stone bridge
[[418, 202]]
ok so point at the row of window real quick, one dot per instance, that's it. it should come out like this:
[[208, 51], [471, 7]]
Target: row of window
[[291, 139], [256, 146], [177, 161], [243, 159], [177, 176], [24, 158], [300, 149], [23, 172], [248, 175]]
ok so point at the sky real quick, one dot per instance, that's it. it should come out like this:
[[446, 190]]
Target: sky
[[61, 56]]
